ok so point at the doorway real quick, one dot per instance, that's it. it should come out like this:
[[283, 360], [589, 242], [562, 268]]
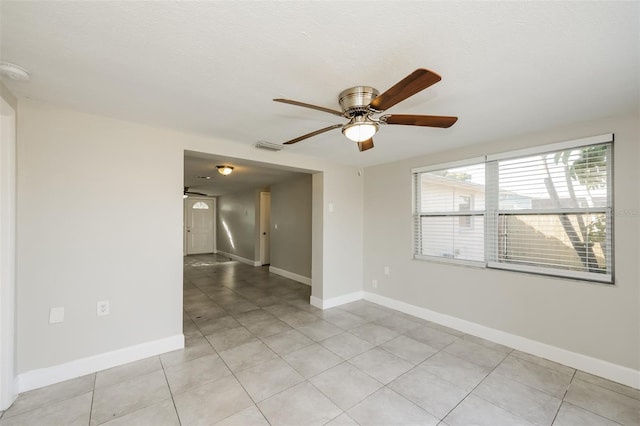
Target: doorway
[[199, 225]]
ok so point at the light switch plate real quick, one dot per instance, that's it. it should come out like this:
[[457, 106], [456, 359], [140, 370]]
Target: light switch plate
[[56, 315]]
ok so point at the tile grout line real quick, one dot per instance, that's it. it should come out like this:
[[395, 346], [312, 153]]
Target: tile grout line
[[93, 395], [173, 401], [233, 373], [605, 388], [368, 375], [585, 408], [222, 359], [387, 385], [283, 360], [563, 396], [476, 386], [327, 396], [407, 372]]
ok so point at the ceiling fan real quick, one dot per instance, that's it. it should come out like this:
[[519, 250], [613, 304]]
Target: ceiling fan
[[359, 104]]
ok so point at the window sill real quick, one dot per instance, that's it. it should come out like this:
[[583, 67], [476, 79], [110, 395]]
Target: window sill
[[450, 261]]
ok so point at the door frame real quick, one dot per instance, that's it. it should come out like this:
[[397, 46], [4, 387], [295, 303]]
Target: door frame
[[8, 191], [264, 228]]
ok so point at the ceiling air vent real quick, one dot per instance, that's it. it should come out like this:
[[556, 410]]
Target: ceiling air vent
[[269, 146]]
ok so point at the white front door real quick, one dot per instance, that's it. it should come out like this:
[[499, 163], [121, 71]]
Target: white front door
[[265, 219], [199, 214]]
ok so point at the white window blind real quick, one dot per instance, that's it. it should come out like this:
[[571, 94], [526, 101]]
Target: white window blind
[[546, 210], [553, 213], [449, 213]]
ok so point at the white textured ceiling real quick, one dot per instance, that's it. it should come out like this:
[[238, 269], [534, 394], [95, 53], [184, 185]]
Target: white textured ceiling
[[213, 67]]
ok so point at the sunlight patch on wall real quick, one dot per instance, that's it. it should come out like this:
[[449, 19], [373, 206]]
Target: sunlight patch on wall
[[226, 228]]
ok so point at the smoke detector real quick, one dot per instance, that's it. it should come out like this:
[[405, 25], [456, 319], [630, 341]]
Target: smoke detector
[[13, 71]]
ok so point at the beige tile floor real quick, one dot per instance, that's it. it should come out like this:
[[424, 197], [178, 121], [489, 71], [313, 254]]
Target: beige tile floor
[[257, 353]]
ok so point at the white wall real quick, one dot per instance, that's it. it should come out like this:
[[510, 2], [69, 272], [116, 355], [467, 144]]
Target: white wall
[[237, 224], [8, 108], [598, 321], [342, 236], [86, 234], [291, 203], [317, 232]]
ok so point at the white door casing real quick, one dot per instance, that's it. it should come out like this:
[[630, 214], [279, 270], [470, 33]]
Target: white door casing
[[199, 215], [265, 228], [7, 253]]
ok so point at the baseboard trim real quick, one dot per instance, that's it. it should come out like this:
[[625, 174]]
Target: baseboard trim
[[291, 275], [335, 301], [240, 258], [617, 373], [59, 373]]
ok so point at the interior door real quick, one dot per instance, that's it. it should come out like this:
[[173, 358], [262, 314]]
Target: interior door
[[199, 215], [265, 231]]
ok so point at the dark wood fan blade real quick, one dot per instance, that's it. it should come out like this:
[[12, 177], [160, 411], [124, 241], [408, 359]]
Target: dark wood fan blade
[[308, 135], [316, 107], [418, 80], [420, 120], [365, 145]]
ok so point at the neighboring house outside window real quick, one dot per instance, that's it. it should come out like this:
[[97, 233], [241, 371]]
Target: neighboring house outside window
[[448, 226], [464, 205]]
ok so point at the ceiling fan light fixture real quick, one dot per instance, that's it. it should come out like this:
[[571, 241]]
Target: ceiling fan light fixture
[[360, 129], [224, 170]]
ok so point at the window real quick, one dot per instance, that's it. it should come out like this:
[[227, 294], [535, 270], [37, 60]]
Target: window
[[546, 210], [448, 224], [200, 205]]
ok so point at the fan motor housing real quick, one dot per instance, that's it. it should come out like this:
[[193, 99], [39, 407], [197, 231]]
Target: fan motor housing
[[356, 100]]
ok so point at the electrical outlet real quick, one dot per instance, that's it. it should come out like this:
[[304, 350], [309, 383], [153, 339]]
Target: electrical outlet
[[56, 315], [103, 308], [374, 283], [387, 271]]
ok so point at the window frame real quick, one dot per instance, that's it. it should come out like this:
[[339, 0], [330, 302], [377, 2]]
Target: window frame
[[418, 215], [492, 212]]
